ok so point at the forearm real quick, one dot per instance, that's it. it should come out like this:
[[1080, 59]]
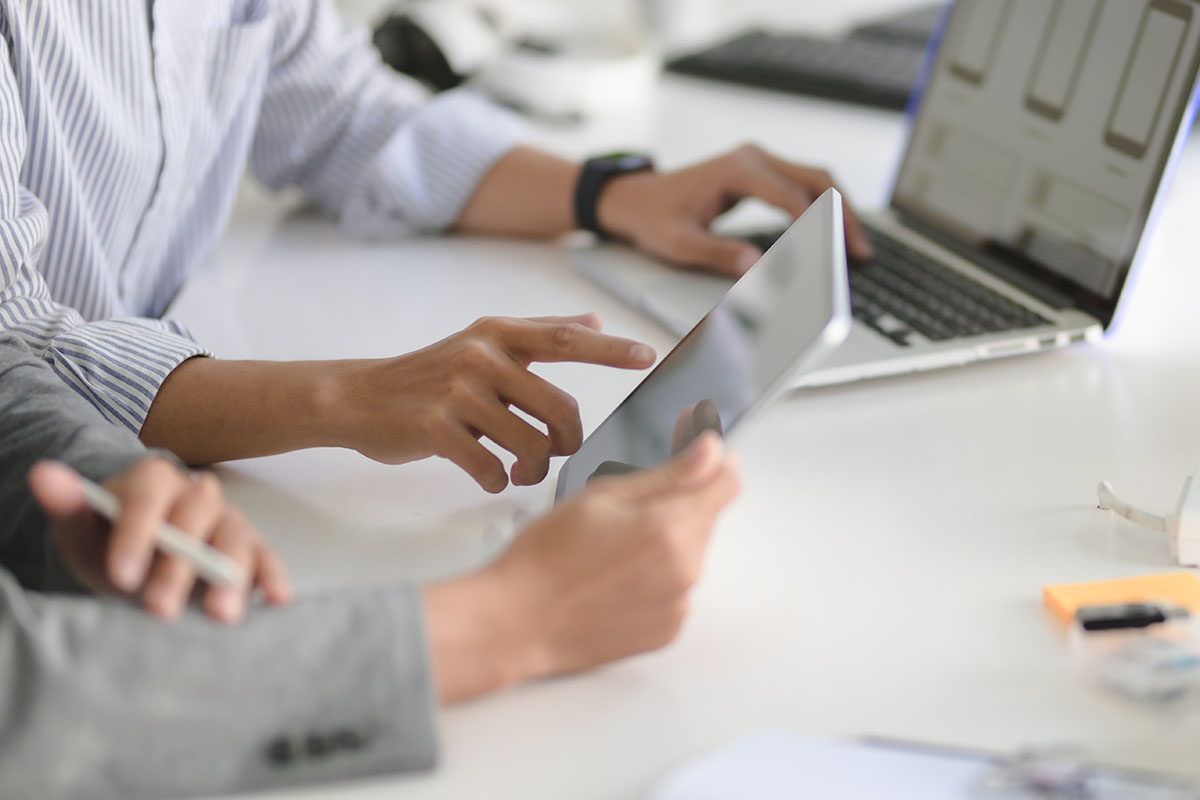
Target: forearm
[[98, 699], [209, 410], [526, 193], [478, 644]]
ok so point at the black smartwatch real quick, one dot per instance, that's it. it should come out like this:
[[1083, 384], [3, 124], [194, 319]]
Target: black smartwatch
[[596, 174]]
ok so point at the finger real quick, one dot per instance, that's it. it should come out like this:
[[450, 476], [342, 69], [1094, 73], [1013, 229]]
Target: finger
[[197, 513], [552, 342], [589, 320], [690, 516], [818, 182], [235, 538], [759, 179], [697, 247], [272, 577], [146, 494], [705, 499], [544, 401], [475, 459], [531, 447], [56, 488], [695, 466]]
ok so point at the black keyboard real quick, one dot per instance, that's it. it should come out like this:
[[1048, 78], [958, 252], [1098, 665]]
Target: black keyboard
[[870, 71], [902, 292]]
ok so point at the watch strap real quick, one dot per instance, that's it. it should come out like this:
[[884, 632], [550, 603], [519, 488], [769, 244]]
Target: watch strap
[[594, 176]]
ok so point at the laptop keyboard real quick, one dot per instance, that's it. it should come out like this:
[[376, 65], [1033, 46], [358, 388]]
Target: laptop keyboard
[[902, 291], [870, 70]]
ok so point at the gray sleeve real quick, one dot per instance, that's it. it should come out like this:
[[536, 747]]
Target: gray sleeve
[[100, 700], [41, 417]]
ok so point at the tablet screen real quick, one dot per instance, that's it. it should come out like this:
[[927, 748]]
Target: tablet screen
[[789, 308]]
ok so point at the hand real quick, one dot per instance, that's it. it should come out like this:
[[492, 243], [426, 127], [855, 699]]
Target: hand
[[669, 214], [441, 400], [603, 576], [121, 558]]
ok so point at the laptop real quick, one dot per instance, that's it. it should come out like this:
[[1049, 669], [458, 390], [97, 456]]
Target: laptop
[[1041, 148], [791, 309]]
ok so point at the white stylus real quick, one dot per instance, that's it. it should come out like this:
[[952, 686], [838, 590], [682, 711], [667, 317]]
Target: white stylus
[[210, 563]]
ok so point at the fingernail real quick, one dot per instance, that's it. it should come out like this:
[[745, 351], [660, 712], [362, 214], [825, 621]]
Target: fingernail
[[696, 450], [169, 606], [127, 571], [230, 606], [747, 259], [643, 353]]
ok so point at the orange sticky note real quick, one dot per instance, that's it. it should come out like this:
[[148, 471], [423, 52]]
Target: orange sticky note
[[1179, 588]]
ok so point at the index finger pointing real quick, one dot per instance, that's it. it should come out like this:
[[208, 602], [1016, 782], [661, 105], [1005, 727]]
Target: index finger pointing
[[566, 341]]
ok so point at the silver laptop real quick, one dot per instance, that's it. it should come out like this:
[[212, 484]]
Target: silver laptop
[[1041, 148], [789, 311]]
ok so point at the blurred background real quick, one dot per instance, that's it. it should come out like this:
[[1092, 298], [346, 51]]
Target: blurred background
[[820, 15], [569, 61]]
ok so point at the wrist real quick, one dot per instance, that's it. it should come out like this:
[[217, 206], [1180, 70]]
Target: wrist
[[617, 206], [336, 392], [480, 641], [596, 209]]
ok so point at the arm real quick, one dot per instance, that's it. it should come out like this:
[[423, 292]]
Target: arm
[[369, 146], [667, 214], [80, 353], [98, 699], [94, 693], [102, 701], [372, 148], [436, 401], [41, 418]]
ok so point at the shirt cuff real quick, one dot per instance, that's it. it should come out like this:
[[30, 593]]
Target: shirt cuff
[[424, 177], [118, 365]]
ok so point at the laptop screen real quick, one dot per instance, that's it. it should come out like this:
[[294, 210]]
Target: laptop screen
[[1045, 129]]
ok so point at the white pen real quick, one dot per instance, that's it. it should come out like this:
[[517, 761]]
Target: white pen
[[210, 563]]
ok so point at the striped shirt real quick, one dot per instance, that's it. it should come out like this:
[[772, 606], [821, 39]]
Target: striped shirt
[[125, 128]]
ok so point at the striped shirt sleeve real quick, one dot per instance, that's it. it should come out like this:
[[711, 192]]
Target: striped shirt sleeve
[[116, 364], [366, 144]]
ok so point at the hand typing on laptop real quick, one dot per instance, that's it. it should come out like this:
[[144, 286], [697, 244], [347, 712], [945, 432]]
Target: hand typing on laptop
[[668, 215]]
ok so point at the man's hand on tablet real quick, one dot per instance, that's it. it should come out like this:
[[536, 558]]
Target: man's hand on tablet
[[602, 576]]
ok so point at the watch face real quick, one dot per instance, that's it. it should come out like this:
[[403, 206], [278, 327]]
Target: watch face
[[628, 162], [631, 162]]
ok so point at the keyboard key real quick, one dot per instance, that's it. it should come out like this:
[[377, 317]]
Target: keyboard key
[[902, 291]]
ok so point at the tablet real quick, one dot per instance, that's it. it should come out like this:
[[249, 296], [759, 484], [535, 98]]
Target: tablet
[[791, 309]]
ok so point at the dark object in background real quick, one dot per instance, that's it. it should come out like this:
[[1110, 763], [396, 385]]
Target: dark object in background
[[877, 64], [406, 47]]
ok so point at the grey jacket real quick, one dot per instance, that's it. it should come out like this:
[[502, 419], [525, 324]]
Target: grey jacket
[[100, 700]]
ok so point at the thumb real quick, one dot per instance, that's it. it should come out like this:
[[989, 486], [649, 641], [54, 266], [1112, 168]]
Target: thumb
[[693, 467], [56, 488], [726, 256]]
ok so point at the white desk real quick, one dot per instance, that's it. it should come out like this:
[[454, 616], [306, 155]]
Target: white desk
[[881, 572]]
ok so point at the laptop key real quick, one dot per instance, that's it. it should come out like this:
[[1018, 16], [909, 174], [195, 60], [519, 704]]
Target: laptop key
[[905, 286]]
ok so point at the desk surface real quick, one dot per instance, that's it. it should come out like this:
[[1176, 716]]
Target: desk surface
[[881, 572]]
